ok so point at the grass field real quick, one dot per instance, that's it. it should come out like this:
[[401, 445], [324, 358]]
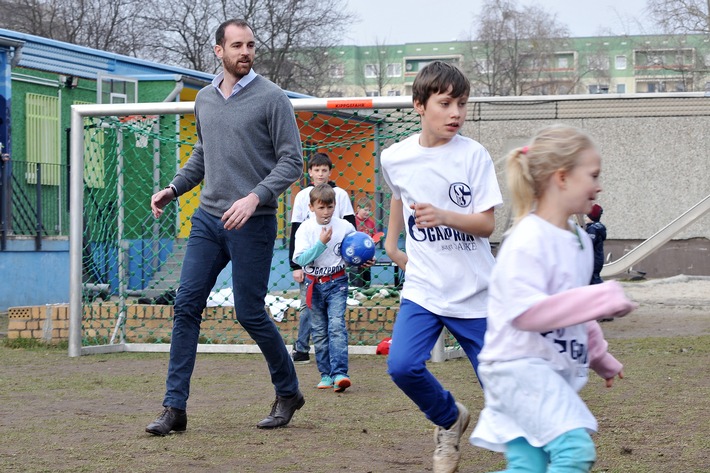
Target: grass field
[[87, 414]]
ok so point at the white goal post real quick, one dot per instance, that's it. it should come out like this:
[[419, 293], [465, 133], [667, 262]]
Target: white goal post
[[78, 114], [485, 115]]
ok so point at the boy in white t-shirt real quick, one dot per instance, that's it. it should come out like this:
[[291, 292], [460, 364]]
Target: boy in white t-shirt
[[319, 170], [317, 251], [444, 191]]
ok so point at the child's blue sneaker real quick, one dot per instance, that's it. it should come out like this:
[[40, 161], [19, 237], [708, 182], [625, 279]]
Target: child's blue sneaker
[[326, 382], [341, 383]]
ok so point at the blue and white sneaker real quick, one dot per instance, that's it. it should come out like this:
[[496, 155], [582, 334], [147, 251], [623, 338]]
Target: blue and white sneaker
[[326, 382], [341, 383]]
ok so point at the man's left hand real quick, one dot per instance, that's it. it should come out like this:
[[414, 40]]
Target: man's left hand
[[240, 212]]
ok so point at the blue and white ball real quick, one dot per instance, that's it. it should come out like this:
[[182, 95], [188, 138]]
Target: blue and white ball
[[357, 248]]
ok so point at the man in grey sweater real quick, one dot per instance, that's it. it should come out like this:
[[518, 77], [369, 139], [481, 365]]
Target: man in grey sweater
[[248, 152]]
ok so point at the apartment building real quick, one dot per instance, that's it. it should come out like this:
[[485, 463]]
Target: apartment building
[[588, 65]]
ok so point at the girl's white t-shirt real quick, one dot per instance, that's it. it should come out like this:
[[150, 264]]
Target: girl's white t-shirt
[[535, 261], [531, 379], [330, 261], [447, 271]]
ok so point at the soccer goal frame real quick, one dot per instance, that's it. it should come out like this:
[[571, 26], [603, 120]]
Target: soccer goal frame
[[122, 111], [537, 109]]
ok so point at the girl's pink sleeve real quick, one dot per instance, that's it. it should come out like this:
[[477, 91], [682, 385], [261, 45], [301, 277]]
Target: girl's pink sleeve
[[600, 360], [575, 306]]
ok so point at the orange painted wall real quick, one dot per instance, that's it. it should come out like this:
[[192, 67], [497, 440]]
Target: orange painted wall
[[349, 142]]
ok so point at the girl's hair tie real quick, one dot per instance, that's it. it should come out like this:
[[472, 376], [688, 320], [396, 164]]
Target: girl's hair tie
[[524, 150]]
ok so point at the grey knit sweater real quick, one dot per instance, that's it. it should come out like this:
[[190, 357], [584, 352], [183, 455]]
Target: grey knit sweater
[[247, 143]]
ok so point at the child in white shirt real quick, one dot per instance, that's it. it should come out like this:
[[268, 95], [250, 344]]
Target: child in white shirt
[[317, 251], [320, 168], [542, 332], [444, 190]]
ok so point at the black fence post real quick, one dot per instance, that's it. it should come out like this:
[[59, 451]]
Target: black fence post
[[4, 198], [38, 237]]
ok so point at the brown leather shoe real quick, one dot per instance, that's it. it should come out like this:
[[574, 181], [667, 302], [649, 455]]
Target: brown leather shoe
[[170, 419], [282, 410]]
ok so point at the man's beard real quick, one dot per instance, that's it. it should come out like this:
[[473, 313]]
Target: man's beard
[[236, 68]]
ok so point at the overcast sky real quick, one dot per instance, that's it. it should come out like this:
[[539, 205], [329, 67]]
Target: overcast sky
[[412, 21]]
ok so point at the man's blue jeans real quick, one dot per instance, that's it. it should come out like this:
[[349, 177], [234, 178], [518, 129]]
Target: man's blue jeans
[[304, 323], [209, 249], [330, 335]]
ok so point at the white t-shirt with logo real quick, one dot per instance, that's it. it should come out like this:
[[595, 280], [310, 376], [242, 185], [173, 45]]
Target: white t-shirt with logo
[[532, 378], [537, 260], [447, 271], [330, 261], [300, 211]]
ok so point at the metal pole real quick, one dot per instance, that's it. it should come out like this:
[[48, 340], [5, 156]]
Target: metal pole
[[76, 223], [437, 353], [122, 250], [4, 198]]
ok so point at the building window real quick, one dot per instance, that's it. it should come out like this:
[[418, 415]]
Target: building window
[[94, 139], [656, 61], [598, 89], [43, 142], [116, 89], [394, 69], [598, 62], [372, 93], [371, 71], [562, 63], [620, 62], [337, 71], [653, 87], [394, 93], [620, 88], [481, 65]]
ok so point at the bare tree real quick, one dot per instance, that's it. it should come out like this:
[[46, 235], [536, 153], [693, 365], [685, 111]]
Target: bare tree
[[375, 72], [293, 36], [681, 16], [515, 49], [182, 32], [108, 25]]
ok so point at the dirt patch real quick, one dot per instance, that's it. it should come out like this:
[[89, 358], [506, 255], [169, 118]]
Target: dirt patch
[[88, 414], [677, 306]]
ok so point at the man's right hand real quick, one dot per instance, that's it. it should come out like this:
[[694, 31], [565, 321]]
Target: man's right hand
[[160, 199], [298, 275]]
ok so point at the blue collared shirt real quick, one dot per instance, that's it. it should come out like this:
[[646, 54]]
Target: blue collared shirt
[[238, 86]]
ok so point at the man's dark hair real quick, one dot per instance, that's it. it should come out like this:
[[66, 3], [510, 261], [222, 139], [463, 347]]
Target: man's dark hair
[[436, 78], [219, 35], [320, 159]]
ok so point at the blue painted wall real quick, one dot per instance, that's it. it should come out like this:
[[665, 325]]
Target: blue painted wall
[[282, 280], [46, 283]]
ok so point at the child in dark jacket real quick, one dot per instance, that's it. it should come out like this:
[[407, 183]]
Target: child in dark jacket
[[597, 232]]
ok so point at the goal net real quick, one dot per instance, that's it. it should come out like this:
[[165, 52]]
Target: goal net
[[125, 265]]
